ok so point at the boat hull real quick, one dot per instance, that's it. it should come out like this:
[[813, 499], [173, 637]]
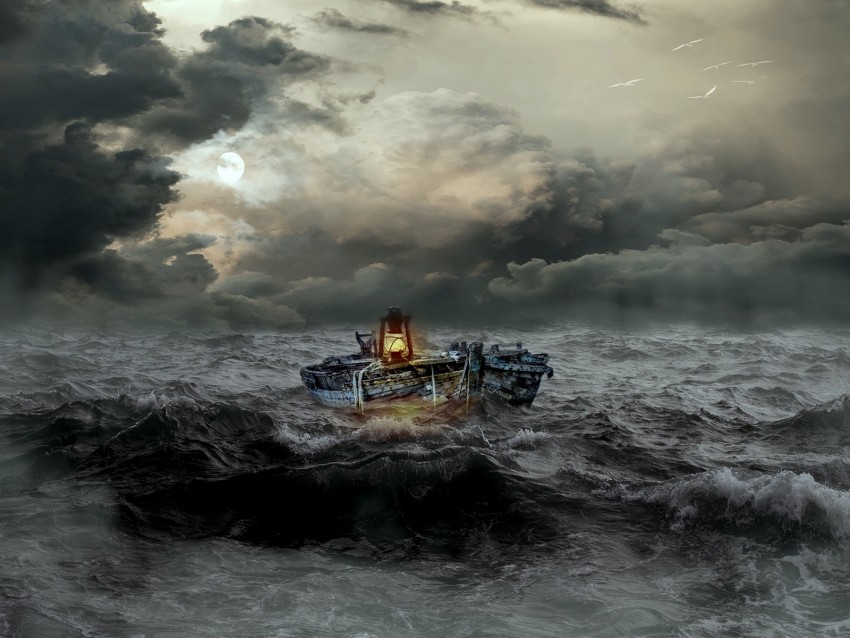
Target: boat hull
[[359, 382], [512, 378]]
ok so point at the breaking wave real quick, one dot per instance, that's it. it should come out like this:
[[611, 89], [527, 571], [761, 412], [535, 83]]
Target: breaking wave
[[785, 502], [833, 415]]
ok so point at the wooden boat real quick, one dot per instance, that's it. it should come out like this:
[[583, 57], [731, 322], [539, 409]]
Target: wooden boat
[[387, 368]]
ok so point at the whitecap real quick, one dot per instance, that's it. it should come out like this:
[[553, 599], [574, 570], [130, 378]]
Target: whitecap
[[304, 442], [526, 438], [791, 497], [382, 428]]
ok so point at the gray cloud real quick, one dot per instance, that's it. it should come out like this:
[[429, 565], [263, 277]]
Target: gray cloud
[[223, 84], [455, 8], [780, 219], [334, 19], [772, 279], [70, 189], [70, 66], [165, 281], [457, 190], [13, 22], [436, 7], [71, 198], [91, 94], [597, 7], [358, 294], [251, 40], [150, 270]]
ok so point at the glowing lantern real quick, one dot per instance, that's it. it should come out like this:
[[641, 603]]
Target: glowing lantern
[[395, 341]]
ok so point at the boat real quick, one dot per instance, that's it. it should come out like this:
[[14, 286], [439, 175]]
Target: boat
[[388, 368]]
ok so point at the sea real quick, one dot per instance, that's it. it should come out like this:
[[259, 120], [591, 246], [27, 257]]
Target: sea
[[669, 480]]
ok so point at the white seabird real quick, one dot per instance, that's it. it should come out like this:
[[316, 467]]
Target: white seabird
[[750, 81], [707, 93], [687, 44], [629, 83], [715, 66]]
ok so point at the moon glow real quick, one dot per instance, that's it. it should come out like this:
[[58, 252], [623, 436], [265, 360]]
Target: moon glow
[[230, 167]]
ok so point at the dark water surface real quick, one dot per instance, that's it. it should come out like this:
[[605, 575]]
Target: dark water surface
[[671, 481]]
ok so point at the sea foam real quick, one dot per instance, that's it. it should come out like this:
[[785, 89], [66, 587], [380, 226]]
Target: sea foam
[[742, 499]]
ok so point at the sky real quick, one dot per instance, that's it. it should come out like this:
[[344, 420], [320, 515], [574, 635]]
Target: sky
[[469, 160]]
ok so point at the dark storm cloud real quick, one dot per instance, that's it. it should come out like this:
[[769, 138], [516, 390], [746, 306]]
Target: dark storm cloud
[[334, 19], [725, 246], [250, 40], [596, 7], [163, 282], [72, 66], [458, 9], [687, 174], [780, 219], [328, 115], [701, 225], [148, 270], [436, 8], [13, 21], [222, 85], [68, 68], [91, 95], [807, 278], [70, 33], [71, 198], [359, 294], [458, 190]]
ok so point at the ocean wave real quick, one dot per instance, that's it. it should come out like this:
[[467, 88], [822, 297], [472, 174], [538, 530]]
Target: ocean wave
[[42, 360], [526, 439], [387, 496], [832, 414], [785, 501], [160, 400], [228, 341], [776, 395], [183, 437], [741, 378], [304, 442], [824, 427], [381, 428], [624, 353], [45, 400]]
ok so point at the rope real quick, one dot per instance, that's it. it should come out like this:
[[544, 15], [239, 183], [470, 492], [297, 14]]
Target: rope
[[433, 386], [464, 377], [357, 382]]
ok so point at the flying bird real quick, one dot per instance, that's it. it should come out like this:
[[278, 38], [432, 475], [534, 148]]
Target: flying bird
[[629, 83], [750, 81], [687, 44], [707, 93], [715, 66], [755, 63]]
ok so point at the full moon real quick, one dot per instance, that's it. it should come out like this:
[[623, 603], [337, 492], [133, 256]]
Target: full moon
[[230, 167]]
